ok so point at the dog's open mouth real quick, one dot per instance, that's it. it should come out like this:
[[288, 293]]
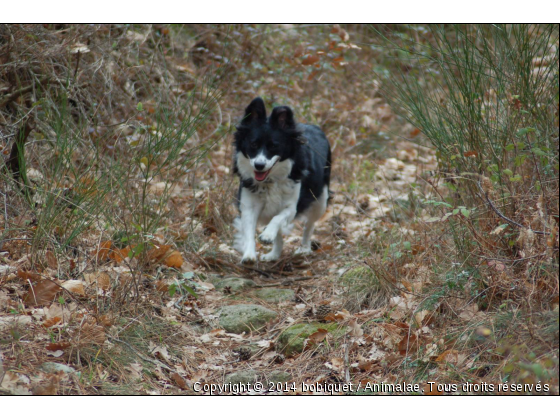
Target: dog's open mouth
[[261, 176]]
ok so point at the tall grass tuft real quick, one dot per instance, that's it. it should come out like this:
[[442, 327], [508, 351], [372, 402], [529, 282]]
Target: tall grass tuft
[[486, 97]]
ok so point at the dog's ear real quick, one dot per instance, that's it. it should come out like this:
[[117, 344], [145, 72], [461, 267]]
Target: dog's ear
[[282, 117], [255, 112]]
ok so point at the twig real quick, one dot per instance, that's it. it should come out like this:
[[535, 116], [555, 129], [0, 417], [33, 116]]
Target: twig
[[264, 273], [5, 220], [347, 363], [202, 259], [286, 281], [22, 91], [493, 207], [77, 64], [510, 261], [431, 183]]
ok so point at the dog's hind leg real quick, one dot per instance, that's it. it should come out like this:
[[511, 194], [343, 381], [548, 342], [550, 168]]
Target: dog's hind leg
[[305, 247], [277, 246], [314, 213]]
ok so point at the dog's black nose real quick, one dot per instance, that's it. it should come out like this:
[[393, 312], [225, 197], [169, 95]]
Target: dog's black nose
[[259, 166]]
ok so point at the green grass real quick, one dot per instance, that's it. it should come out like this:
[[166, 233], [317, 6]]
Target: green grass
[[479, 95]]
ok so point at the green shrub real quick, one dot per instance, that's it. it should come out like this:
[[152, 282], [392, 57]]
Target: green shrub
[[486, 97]]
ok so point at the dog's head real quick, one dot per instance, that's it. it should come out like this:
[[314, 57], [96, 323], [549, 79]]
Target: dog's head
[[263, 144]]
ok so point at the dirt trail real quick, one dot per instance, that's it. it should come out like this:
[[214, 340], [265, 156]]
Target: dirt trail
[[305, 291]]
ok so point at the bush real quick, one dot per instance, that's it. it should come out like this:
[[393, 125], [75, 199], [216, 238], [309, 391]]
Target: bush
[[486, 97]]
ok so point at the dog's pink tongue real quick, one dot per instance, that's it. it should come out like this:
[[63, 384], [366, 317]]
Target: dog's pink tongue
[[260, 176]]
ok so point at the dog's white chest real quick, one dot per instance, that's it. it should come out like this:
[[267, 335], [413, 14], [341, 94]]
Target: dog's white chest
[[276, 196]]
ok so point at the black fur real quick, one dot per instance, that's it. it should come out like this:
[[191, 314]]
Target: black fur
[[306, 145]]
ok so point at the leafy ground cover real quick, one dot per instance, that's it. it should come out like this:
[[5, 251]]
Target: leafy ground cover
[[437, 260]]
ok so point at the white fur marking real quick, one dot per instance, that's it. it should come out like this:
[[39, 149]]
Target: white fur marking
[[273, 202], [276, 249], [261, 159], [279, 172], [250, 208]]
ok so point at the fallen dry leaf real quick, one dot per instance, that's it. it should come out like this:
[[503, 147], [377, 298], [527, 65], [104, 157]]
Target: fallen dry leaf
[[174, 260], [17, 384], [42, 293], [316, 337], [28, 275], [100, 279], [161, 353], [162, 286], [90, 334], [51, 260], [408, 344], [74, 286], [57, 311], [135, 370], [106, 320], [451, 356], [50, 389], [56, 353], [119, 255], [337, 364], [157, 253], [61, 345], [310, 59], [469, 312], [179, 381], [375, 354], [420, 316], [367, 366], [52, 322], [355, 330], [104, 250]]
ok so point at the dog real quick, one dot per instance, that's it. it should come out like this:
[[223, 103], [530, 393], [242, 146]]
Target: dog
[[284, 170]]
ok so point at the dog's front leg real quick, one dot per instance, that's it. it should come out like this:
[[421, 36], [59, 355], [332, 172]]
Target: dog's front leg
[[250, 208], [273, 228], [282, 219]]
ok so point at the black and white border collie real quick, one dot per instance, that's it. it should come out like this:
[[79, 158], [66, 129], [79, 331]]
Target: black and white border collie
[[284, 169]]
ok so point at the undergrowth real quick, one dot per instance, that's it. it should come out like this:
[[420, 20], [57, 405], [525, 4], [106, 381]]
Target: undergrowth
[[486, 98], [438, 254]]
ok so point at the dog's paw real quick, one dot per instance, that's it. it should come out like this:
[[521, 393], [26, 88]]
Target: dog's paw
[[303, 251], [266, 238], [271, 256], [249, 259]]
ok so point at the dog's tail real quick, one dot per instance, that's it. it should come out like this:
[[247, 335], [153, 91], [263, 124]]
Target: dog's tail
[[237, 235]]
